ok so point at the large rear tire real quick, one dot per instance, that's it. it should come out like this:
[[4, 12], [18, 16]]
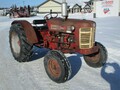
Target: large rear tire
[[57, 66], [97, 59], [20, 48]]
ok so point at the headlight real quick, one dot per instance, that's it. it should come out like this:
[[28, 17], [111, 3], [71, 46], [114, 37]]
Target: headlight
[[70, 29]]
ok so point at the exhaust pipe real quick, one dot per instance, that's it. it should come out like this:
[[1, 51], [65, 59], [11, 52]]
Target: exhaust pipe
[[64, 9]]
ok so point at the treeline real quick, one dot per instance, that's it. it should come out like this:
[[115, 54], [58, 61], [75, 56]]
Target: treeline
[[3, 8]]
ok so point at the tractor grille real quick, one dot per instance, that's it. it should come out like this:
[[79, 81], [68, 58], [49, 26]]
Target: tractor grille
[[86, 38]]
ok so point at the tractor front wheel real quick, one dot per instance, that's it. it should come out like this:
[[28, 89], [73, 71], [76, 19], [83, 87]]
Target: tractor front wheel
[[57, 66], [97, 59], [20, 48]]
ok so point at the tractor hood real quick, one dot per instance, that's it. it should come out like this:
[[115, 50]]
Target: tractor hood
[[62, 25]]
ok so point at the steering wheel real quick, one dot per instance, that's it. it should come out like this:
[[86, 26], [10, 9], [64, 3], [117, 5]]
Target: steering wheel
[[50, 15]]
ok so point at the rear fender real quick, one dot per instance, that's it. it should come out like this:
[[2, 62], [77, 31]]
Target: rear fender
[[29, 31]]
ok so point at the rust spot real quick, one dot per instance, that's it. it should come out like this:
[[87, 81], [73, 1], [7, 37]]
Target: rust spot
[[54, 68]]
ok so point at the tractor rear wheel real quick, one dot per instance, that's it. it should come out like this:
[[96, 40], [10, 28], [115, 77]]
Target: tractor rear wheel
[[57, 66], [97, 59], [20, 48]]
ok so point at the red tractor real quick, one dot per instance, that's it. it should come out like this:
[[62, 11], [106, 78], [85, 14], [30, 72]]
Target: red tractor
[[60, 35]]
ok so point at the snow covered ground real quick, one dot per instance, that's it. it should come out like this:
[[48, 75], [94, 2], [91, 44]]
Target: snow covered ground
[[32, 75]]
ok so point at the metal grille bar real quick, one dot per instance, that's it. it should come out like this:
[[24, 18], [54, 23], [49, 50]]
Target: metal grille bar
[[86, 38]]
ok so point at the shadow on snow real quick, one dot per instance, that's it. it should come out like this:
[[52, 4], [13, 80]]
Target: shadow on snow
[[38, 53], [112, 76], [76, 63]]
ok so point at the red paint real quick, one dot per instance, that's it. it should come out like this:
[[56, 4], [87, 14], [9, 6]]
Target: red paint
[[56, 36]]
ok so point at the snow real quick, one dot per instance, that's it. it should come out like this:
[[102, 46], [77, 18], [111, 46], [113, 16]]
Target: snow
[[32, 75]]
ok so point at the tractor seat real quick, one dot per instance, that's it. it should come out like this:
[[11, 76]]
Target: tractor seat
[[39, 21], [40, 25]]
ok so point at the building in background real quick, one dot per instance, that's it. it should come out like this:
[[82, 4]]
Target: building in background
[[107, 8], [49, 5], [4, 11], [98, 8], [55, 6], [75, 8], [1, 11]]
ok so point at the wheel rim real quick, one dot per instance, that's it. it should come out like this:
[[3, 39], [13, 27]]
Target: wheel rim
[[15, 43], [54, 68]]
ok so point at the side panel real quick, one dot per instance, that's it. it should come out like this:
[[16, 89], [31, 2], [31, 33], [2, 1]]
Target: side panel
[[84, 34], [30, 33]]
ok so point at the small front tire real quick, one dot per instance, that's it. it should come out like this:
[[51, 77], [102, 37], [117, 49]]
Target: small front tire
[[57, 66], [97, 59]]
